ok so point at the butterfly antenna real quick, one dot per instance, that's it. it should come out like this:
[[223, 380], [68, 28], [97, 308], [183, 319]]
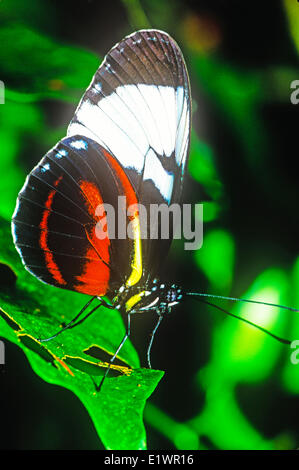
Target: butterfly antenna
[[278, 338], [236, 299]]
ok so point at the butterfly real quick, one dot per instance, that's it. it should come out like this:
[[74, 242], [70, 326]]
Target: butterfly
[[129, 138]]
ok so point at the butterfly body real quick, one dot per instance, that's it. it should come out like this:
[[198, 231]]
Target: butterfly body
[[149, 296]]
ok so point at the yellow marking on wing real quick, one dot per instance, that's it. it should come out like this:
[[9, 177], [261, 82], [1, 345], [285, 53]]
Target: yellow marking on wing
[[136, 264]]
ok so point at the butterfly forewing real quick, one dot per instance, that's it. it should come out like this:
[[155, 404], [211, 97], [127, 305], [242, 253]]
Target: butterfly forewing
[[138, 106]]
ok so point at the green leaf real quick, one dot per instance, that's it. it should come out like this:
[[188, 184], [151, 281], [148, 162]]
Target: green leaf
[[31, 309]]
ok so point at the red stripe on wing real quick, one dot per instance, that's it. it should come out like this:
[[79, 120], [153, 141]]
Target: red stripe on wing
[[94, 278], [123, 179], [49, 259]]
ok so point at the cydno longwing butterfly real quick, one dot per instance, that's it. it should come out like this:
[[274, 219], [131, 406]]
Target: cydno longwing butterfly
[[129, 138]]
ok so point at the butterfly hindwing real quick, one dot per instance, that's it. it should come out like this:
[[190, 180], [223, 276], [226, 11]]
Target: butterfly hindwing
[[58, 210]]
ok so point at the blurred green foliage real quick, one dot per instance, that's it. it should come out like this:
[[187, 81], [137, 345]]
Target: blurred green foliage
[[218, 245]]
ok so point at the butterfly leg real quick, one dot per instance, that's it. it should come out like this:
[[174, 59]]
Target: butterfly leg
[[73, 323], [128, 330], [148, 354]]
